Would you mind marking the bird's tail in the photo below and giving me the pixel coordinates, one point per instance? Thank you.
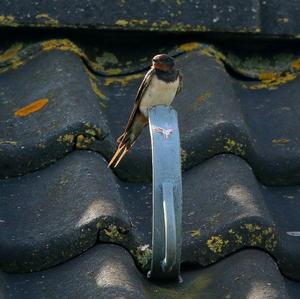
(128, 138)
(125, 141)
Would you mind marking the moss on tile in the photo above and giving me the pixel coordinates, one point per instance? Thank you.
(143, 256)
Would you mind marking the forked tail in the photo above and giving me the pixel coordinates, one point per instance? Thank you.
(125, 143)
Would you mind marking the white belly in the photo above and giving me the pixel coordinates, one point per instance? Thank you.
(158, 93)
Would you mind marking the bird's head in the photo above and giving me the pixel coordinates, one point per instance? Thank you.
(163, 62)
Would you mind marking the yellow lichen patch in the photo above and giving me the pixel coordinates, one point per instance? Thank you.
(93, 81)
(232, 146)
(32, 107)
(67, 138)
(196, 233)
(97, 91)
(216, 244)
(200, 99)
(296, 65)
(83, 142)
(47, 20)
(11, 52)
(131, 23)
(252, 227)
(10, 142)
(62, 45)
(188, 47)
(267, 76)
(16, 63)
(122, 22)
(123, 80)
(280, 140)
(92, 130)
(238, 239)
(262, 237)
(273, 82)
(212, 52)
(178, 27)
(67, 45)
(8, 21)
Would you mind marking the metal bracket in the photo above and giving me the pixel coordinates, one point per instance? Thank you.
(167, 193)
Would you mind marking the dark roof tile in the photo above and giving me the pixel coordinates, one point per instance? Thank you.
(56, 213)
(53, 214)
(107, 271)
(272, 17)
(71, 109)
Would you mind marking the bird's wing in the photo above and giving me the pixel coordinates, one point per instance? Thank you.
(180, 85)
(141, 91)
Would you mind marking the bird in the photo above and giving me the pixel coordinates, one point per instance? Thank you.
(159, 87)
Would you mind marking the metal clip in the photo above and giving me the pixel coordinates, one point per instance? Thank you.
(167, 193)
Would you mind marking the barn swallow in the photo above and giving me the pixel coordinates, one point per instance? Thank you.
(159, 87)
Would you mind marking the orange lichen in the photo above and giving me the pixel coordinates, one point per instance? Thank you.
(11, 52)
(32, 107)
(296, 65)
(267, 76)
(273, 80)
(188, 47)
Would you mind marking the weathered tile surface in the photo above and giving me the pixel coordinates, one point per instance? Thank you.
(272, 17)
(240, 154)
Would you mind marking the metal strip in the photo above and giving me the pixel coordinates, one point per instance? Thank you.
(167, 193)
